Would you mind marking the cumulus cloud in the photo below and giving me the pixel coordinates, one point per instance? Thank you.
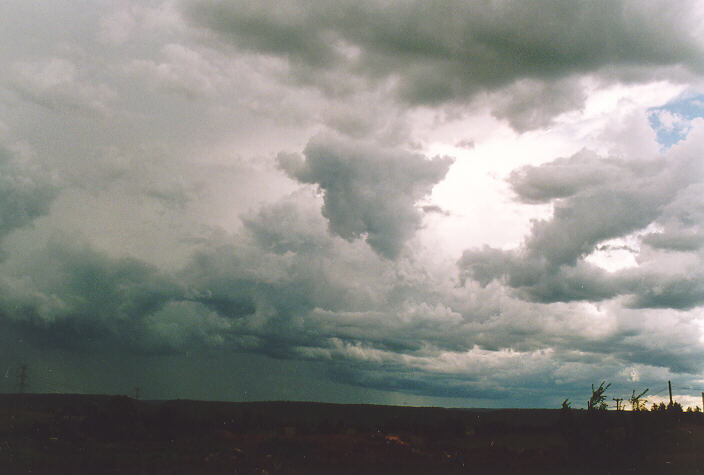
(561, 178)
(529, 104)
(595, 200)
(365, 317)
(285, 287)
(175, 239)
(449, 51)
(368, 191)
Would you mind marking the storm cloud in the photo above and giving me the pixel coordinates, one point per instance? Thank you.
(368, 191)
(282, 289)
(452, 51)
(489, 204)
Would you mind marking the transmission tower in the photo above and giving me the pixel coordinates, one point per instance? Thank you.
(618, 402)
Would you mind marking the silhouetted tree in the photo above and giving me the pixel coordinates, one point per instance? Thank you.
(598, 400)
(637, 401)
(566, 405)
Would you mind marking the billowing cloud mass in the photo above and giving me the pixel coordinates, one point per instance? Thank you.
(485, 203)
(453, 51)
(368, 191)
(596, 200)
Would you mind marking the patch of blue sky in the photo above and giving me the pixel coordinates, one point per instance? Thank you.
(672, 121)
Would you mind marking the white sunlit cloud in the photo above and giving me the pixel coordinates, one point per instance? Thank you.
(672, 121)
(620, 253)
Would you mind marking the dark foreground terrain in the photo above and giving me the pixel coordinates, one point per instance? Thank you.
(49, 434)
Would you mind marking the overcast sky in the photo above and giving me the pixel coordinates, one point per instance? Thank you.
(492, 203)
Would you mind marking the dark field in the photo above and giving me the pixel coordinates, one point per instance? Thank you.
(48, 434)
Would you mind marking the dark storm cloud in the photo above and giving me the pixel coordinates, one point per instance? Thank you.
(251, 293)
(449, 51)
(269, 291)
(596, 200)
(350, 309)
(24, 193)
(374, 322)
(189, 111)
(368, 191)
(69, 295)
(77, 294)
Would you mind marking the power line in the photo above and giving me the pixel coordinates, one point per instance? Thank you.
(659, 392)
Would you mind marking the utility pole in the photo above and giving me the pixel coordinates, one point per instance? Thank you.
(136, 392)
(669, 387)
(702, 401)
(22, 379)
(618, 402)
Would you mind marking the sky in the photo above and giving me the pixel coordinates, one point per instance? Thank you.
(477, 204)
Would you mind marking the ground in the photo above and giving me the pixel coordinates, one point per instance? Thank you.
(50, 434)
